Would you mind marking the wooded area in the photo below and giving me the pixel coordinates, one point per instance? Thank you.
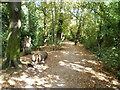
(30, 26)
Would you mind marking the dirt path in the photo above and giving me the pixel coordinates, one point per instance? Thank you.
(70, 67)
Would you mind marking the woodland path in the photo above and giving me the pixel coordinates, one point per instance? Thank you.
(70, 67)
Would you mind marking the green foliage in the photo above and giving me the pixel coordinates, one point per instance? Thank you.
(32, 25)
(69, 36)
(96, 24)
(39, 38)
(5, 25)
(90, 42)
(110, 56)
(100, 33)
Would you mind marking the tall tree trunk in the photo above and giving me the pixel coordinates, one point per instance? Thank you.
(78, 33)
(55, 23)
(119, 25)
(45, 16)
(45, 22)
(13, 44)
(60, 22)
(31, 24)
(99, 32)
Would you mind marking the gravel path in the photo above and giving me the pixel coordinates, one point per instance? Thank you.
(70, 67)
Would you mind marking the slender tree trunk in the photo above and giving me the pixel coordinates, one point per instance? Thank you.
(73, 36)
(13, 44)
(45, 23)
(53, 23)
(45, 16)
(99, 34)
(119, 25)
(44, 10)
(29, 20)
(60, 22)
(78, 33)
(53, 10)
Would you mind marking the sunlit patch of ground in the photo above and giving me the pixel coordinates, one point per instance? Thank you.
(69, 67)
(95, 74)
(33, 78)
(68, 43)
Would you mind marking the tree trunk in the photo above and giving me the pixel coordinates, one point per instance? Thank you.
(59, 32)
(53, 24)
(60, 22)
(99, 37)
(54, 20)
(13, 44)
(45, 17)
(45, 22)
(78, 33)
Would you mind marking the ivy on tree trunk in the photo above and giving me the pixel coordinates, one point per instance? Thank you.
(13, 39)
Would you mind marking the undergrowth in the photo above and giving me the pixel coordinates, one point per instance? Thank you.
(110, 56)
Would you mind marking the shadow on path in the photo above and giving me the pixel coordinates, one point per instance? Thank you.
(70, 67)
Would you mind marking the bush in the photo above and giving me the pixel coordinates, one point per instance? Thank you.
(110, 56)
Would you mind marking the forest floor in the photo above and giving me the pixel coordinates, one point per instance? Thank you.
(70, 67)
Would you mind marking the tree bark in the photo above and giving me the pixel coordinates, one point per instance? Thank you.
(78, 33)
(60, 22)
(53, 24)
(13, 39)
(45, 17)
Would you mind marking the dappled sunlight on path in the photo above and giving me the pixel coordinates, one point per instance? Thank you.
(33, 78)
(71, 67)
